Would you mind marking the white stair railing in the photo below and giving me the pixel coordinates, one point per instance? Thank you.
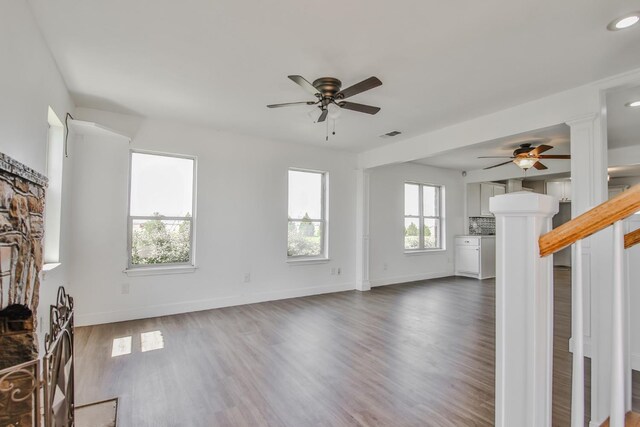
(618, 377)
(577, 332)
(524, 307)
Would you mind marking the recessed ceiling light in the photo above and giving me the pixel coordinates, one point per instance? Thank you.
(632, 104)
(625, 21)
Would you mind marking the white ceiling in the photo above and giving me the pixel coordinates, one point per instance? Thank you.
(220, 62)
(623, 123)
(466, 159)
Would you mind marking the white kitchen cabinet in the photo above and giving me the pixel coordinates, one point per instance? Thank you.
(476, 256)
(478, 195)
(560, 189)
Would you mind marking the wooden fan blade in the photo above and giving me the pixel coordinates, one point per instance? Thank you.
(361, 108)
(357, 88)
(500, 164)
(304, 84)
(539, 166)
(496, 157)
(539, 149)
(288, 104)
(323, 116)
(554, 156)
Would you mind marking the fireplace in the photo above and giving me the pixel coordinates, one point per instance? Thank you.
(21, 232)
(17, 336)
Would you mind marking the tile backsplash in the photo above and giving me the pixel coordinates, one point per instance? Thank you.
(482, 225)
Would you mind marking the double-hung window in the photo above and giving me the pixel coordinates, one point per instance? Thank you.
(161, 210)
(423, 216)
(307, 224)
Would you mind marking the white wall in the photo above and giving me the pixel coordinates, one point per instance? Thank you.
(241, 222)
(29, 84)
(386, 224)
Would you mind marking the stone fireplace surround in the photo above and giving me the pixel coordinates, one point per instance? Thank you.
(22, 192)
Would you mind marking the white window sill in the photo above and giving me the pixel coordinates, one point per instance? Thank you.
(154, 271)
(424, 251)
(48, 267)
(305, 261)
(51, 266)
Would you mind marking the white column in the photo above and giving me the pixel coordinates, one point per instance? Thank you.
(362, 230)
(524, 310)
(589, 189)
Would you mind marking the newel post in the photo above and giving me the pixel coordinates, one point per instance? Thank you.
(524, 310)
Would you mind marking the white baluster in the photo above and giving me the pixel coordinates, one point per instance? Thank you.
(617, 342)
(577, 392)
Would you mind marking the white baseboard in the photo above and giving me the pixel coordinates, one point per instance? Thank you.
(88, 319)
(405, 279)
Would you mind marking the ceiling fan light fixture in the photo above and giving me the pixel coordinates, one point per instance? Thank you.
(633, 104)
(525, 162)
(334, 111)
(624, 22)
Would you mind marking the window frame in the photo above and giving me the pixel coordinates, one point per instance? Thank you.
(51, 248)
(324, 254)
(421, 217)
(192, 219)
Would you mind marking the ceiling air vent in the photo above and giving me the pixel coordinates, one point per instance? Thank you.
(391, 134)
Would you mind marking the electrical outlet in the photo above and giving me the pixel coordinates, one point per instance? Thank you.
(247, 277)
(333, 271)
(385, 266)
(339, 271)
(124, 289)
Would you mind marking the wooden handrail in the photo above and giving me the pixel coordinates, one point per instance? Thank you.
(632, 238)
(620, 207)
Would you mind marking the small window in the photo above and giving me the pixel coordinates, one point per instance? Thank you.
(53, 194)
(307, 214)
(423, 217)
(161, 210)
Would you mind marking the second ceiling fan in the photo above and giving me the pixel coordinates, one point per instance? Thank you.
(327, 90)
(527, 157)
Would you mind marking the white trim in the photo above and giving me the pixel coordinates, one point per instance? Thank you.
(421, 216)
(49, 266)
(324, 210)
(88, 319)
(587, 346)
(411, 278)
(192, 226)
(423, 251)
(635, 357)
(304, 261)
(159, 270)
(82, 127)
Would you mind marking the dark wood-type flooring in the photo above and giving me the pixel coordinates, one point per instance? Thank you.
(418, 354)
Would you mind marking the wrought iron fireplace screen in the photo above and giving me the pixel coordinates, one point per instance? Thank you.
(20, 385)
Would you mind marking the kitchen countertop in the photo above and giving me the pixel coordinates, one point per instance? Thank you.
(476, 235)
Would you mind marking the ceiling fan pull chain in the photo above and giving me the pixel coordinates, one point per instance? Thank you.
(327, 138)
(334, 127)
